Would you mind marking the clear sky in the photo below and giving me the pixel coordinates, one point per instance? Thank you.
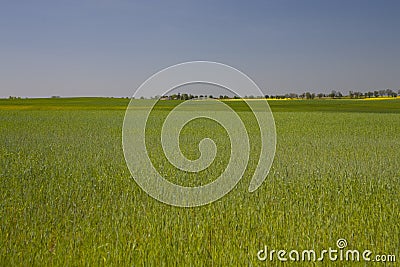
(108, 48)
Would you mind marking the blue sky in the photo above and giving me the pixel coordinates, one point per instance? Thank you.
(108, 48)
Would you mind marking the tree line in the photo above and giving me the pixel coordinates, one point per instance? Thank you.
(307, 95)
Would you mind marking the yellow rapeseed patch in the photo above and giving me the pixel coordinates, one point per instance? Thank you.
(382, 98)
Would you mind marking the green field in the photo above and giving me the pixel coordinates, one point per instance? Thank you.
(67, 198)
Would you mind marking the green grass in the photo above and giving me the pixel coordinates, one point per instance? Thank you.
(67, 198)
(75, 103)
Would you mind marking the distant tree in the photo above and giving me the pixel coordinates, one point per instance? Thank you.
(333, 94)
(369, 94)
(389, 92)
(266, 96)
(357, 94)
(320, 95)
(210, 96)
(351, 94)
(376, 93)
